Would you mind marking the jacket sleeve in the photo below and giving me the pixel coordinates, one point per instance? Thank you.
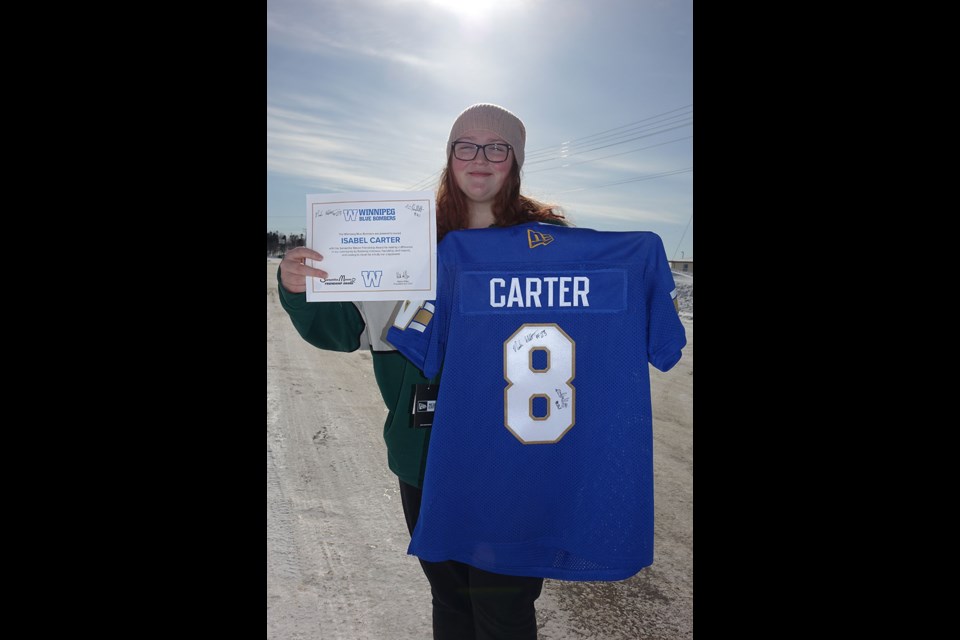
(334, 326)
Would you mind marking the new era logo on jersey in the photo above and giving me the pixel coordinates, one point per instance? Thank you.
(537, 239)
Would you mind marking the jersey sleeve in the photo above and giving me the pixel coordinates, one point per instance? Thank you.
(413, 335)
(666, 335)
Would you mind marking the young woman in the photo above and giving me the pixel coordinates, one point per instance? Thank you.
(480, 187)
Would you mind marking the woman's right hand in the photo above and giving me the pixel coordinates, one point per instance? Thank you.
(294, 271)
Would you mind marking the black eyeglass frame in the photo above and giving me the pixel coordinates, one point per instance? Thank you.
(477, 148)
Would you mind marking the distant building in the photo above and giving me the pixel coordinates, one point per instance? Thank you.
(682, 266)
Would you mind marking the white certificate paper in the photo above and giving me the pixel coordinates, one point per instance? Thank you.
(375, 246)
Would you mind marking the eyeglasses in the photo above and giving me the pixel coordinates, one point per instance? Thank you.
(493, 152)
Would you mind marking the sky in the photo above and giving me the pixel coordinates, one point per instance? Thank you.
(361, 95)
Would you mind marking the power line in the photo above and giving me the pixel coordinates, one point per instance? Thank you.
(682, 236)
(566, 153)
(429, 180)
(630, 132)
(598, 141)
(613, 155)
(604, 133)
(637, 179)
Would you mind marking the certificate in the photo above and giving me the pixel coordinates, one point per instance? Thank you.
(375, 246)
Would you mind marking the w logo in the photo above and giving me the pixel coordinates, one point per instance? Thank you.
(537, 239)
(371, 278)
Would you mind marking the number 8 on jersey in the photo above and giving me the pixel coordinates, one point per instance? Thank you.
(539, 366)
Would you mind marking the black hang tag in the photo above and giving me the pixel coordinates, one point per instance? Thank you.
(424, 404)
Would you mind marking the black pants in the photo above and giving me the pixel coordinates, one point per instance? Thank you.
(472, 604)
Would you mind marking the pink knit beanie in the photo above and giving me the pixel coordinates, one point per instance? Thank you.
(491, 117)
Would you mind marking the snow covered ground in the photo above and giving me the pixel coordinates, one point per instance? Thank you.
(684, 284)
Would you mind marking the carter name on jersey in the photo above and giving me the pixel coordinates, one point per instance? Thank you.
(546, 291)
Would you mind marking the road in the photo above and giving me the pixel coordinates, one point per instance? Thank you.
(337, 567)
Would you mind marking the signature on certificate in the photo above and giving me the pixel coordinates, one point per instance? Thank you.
(416, 208)
(328, 212)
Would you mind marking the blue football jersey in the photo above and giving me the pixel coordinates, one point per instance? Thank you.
(541, 456)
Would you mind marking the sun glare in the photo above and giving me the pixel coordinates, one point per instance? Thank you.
(477, 11)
